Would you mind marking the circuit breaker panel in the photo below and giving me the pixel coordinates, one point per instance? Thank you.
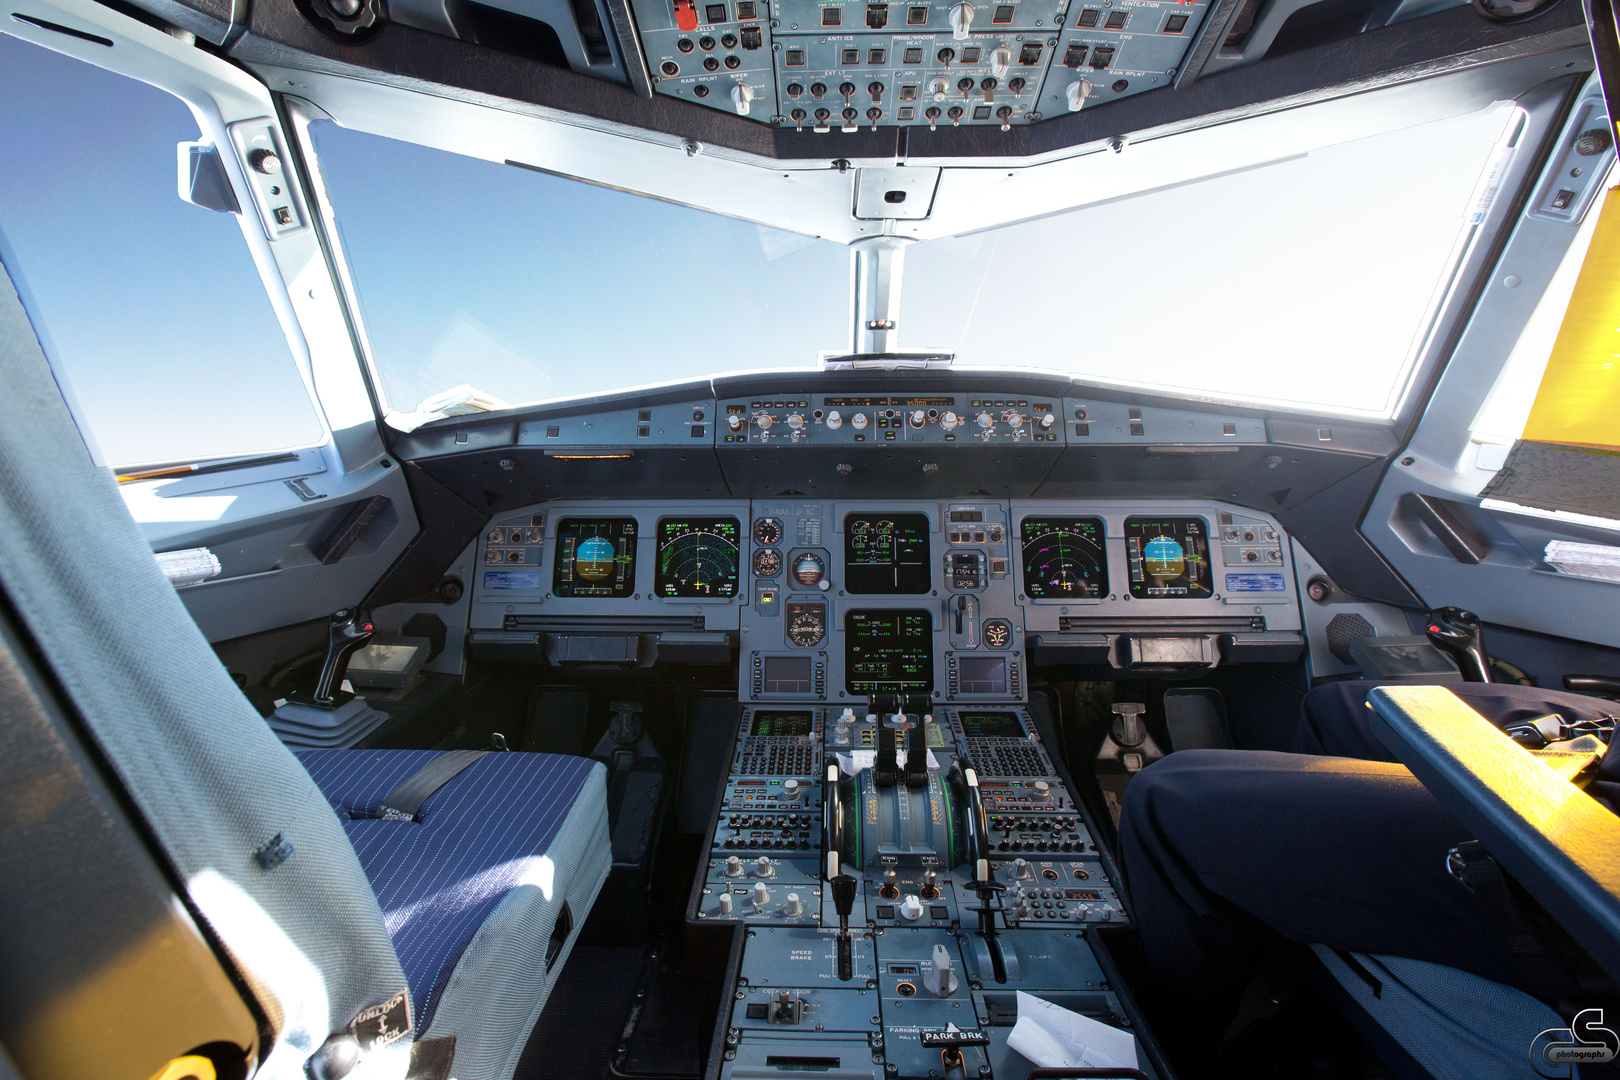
(821, 65)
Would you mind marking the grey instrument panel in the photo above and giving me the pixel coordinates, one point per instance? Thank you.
(828, 600)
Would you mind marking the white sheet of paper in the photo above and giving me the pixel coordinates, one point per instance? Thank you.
(1055, 1038)
(853, 761)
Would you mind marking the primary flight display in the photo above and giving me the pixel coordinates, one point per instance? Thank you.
(595, 557)
(1168, 557)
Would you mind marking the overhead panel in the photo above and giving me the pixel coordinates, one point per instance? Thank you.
(825, 66)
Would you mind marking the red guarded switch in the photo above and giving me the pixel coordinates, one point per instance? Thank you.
(686, 14)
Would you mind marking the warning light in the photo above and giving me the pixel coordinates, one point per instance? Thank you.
(1434, 629)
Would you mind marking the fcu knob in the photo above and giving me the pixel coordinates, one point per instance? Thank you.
(949, 421)
(835, 420)
(734, 422)
(858, 421)
(1048, 420)
(986, 420)
(918, 418)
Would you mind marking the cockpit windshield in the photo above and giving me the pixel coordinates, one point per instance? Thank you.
(532, 287)
(1271, 284)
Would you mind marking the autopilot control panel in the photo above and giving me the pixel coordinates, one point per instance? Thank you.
(903, 869)
(818, 65)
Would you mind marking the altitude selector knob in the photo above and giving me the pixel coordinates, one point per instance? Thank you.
(835, 420)
(986, 420)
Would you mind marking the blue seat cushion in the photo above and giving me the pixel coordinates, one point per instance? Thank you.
(477, 838)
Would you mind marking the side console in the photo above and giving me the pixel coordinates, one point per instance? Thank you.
(903, 869)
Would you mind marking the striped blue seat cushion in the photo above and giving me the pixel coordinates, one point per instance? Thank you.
(477, 838)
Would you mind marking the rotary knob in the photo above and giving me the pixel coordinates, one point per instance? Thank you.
(986, 420)
(1000, 61)
(734, 422)
(790, 790)
(795, 421)
(1015, 421)
(834, 420)
(742, 96)
(762, 896)
(795, 907)
(1076, 94)
(918, 418)
(949, 421)
(764, 422)
(911, 908)
(1048, 420)
(961, 20)
(858, 421)
(938, 88)
(265, 161)
(762, 866)
(733, 867)
(1020, 869)
(1042, 789)
(725, 903)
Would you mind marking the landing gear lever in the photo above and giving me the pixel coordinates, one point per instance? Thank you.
(346, 631)
(1458, 633)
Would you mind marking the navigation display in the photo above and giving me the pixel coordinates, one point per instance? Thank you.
(990, 725)
(1064, 558)
(885, 554)
(1168, 557)
(888, 651)
(697, 556)
(595, 557)
(781, 724)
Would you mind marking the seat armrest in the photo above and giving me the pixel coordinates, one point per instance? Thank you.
(1554, 839)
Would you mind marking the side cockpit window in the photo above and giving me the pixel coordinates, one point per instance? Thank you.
(151, 309)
